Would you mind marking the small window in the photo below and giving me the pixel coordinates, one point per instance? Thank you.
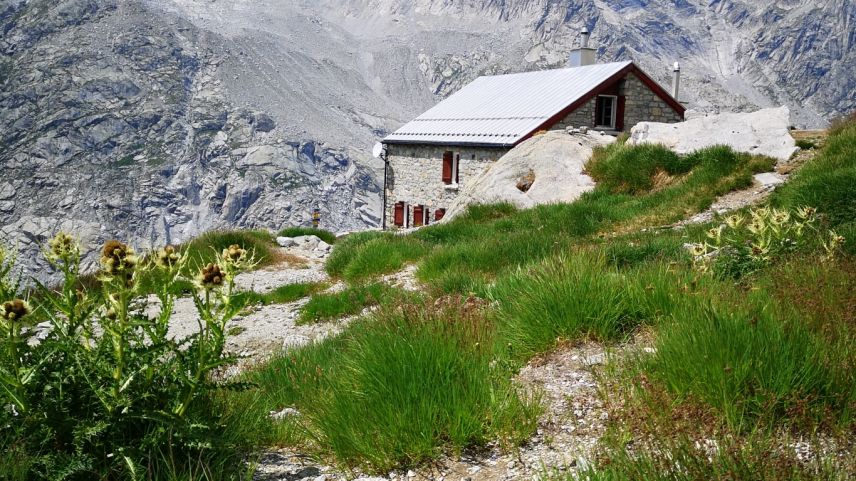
(450, 167)
(398, 214)
(438, 214)
(418, 215)
(474, 157)
(605, 111)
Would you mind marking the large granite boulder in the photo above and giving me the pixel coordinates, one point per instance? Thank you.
(765, 132)
(545, 169)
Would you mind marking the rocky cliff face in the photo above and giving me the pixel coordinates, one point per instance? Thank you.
(114, 123)
(157, 119)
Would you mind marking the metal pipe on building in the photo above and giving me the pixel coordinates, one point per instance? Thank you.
(676, 80)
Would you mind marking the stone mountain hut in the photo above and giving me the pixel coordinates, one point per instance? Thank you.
(433, 156)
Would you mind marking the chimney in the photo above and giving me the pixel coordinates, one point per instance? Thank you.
(584, 55)
(676, 80)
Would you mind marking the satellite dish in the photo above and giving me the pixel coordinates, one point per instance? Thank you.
(377, 150)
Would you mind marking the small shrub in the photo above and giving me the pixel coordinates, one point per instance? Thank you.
(322, 234)
(106, 393)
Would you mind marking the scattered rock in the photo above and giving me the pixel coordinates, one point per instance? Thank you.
(285, 241)
(323, 246)
(287, 412)
(7, 191)
(770, 179)
(307, 242)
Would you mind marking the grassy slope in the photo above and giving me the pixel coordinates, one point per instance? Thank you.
(753, 357)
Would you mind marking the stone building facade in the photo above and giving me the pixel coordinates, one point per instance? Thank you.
(415, 176)
(418, 185)
(641, 104)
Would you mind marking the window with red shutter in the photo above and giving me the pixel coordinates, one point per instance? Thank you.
(438, 214)
(398, 216)
(447, 167)
(418, 215)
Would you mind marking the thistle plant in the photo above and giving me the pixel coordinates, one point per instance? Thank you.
(744, 244)
(107, 387)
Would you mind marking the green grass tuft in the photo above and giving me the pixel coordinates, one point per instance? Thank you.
(826, 182)
(350, 301)
(205, 248)
(749, 364)
(398, 389)
(281, 295)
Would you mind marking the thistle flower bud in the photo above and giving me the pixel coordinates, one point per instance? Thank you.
(234, 254)
(117, 258)
(62, 247)
(781, 216)
(210, 277)
(806, 213)
(167, 257)
(14, 310)
(734, 221)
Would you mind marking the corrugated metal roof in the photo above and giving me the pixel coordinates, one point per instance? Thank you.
(502, 109)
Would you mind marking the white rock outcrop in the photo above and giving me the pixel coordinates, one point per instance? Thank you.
(765, 132)
(552, 164)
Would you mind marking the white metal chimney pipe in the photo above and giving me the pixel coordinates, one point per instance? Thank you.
(676, 80)
(584, 38)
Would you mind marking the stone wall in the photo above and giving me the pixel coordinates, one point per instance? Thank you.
(416, 175)
(643, 105)
(582, 116)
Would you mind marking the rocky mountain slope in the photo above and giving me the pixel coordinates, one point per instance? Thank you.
(157, 119)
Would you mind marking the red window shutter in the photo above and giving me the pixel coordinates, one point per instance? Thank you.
(598, 106)
(398, 217)
(418, 215)
(438, 214)
(619, 114)
(447, 167)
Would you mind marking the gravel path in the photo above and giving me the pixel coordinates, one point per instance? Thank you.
(263, 330)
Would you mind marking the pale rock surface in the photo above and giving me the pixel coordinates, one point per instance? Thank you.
(556, 159)
(285, 241)
(764, 132)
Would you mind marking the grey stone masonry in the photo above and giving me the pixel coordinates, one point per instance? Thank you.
(582, 116)
(416, 175)
(643, 105)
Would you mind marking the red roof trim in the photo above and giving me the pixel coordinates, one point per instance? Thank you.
(606, 85)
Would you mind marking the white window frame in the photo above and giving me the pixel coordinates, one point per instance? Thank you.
(613, 113)
(406, 215)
